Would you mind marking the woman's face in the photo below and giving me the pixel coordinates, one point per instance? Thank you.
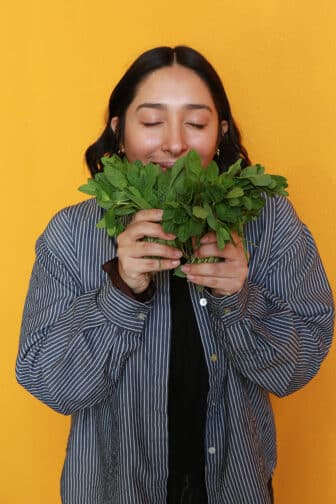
(172, 113)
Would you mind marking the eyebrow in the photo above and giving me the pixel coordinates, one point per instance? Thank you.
(162, 106)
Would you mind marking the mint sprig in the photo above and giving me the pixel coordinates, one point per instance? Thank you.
(194, 199)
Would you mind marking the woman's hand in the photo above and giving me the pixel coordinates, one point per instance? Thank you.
(225, 277)
(134, 256)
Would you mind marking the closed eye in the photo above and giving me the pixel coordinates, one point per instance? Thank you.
(149, 124)
(197, 125)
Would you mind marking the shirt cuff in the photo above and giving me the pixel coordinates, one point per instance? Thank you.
(230, 308)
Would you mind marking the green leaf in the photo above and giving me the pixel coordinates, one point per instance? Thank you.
(259, 180)
(234, 202)
(113, 161)
(223, 237)
(211, 219)
(226, 213)
(180, 216)
(175, 172)
(115, 177)
(200, 212)
(183, 232)
(179, 273)
(133, 175)
(151, 173)
(134, 191)
(225, 180)
(193, 165)
(212, 172)
(119, 197)
(90, 188)
(235, 192)
(169, 226)
(168, 214)
(108, 220)
(249, 171)
(124, 210)
(196, 228)
(247, 203)
(151, 197)
(235, 168)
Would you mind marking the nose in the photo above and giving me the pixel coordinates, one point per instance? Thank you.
(174, 141)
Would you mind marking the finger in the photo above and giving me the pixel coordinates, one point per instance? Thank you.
(152, 214)
(220, 270)
(229, 252)
(144, 248)
(209, 237)
(138, 230)
(217, 284)
(212, 238)
(149, 265)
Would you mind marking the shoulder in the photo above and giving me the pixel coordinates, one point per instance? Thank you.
(277, 230)
(286, 227)
(85, 211)
(72, 220)
(278, 219)
(70, 227)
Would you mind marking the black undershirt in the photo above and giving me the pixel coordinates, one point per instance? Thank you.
(187, 400)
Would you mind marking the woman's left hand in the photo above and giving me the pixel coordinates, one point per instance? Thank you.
(224, 278)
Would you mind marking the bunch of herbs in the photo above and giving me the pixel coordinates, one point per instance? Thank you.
(194, 199)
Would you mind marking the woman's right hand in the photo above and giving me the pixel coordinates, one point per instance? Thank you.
(135, 264)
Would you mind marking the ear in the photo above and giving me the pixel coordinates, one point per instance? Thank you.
(114, 123)
(114, 126)
(224, 127)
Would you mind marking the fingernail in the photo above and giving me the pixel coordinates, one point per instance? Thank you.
(204, 239)
(175, 263)
(185, 268)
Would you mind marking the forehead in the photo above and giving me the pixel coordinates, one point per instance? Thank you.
(173, 85)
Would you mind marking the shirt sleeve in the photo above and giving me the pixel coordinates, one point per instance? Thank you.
(74, 344)
(277, 331)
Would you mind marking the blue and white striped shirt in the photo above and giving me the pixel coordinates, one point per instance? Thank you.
(88, 350)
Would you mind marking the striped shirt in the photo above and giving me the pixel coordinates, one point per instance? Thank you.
(88, 350)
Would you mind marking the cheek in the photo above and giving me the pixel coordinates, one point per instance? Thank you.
(139, 144)
(206, 147)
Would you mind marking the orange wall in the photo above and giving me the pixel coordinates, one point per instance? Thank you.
(61, 59)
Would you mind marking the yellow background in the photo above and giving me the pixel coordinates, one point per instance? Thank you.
(60, 61)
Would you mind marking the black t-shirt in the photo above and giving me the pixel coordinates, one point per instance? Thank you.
(187, 400)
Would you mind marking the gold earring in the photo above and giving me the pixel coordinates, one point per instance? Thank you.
(218, 152)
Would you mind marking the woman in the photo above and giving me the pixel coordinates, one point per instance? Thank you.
(169, 390)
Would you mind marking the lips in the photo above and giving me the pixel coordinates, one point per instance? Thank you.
(165, 164)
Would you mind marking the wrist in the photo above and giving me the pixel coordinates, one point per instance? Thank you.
(142, 294)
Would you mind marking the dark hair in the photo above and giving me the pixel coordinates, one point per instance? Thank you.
(230, 146)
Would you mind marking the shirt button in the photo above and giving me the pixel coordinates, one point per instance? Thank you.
(213, 357)
(141, 316)
(203, 301)
(226, 311)
(212, 450)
